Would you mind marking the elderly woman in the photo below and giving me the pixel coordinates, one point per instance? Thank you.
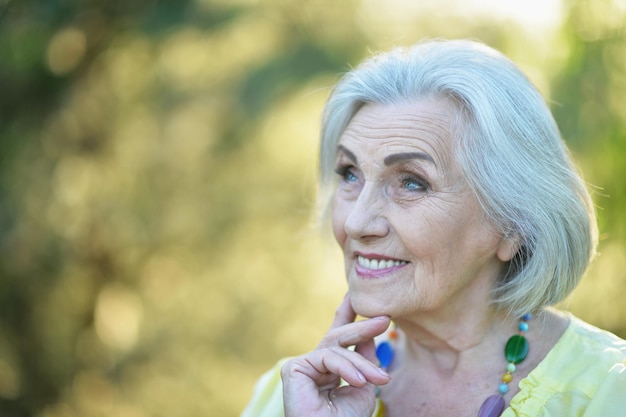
(461, 219)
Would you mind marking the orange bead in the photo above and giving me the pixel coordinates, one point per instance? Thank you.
(507, 377)
(393, 334)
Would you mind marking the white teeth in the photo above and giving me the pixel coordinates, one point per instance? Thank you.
(378, 264)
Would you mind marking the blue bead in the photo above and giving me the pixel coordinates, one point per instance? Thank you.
(527, 316)
(523, 326)
(503, 388)
(384, 352)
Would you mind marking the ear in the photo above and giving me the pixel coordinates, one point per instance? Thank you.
(508, 248)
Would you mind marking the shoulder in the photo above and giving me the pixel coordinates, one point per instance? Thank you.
(592, 350)
(267, 397)
(585, 371)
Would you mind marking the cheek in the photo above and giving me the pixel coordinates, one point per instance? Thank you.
(338, 221)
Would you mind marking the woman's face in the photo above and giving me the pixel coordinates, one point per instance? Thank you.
(414, 237)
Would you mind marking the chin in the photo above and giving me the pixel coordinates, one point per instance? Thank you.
(366, 308)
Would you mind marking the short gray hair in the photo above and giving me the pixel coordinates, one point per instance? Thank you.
(510, 151)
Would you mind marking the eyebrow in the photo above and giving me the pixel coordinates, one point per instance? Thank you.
(348, 153)
(399, 157)
(390, 159)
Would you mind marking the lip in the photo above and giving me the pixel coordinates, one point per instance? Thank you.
(365, 272)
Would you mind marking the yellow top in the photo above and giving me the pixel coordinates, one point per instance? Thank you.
(584, 375)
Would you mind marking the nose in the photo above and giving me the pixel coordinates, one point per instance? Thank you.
(366, 218)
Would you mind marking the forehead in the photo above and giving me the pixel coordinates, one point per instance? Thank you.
(425, 126)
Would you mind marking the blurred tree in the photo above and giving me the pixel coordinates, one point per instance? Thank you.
(589, 94)
(104, 185)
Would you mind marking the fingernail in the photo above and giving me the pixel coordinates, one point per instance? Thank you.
(383, 373)
(361, 377)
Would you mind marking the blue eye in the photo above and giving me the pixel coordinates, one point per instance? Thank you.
(412, 184)
(346, 174)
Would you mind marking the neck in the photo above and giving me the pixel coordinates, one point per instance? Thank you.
(461, 365)
(448, 343)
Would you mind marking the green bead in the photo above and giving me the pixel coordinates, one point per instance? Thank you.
(516, 349)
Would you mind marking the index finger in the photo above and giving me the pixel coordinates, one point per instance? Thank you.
(344, 313)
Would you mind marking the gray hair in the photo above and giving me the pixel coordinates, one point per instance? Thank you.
(510, 151)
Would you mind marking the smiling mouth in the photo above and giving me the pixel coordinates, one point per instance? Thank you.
(378, 264)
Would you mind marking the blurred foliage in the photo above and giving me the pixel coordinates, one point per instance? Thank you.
(157, 172)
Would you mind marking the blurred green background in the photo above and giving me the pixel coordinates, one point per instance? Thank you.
(157, 173)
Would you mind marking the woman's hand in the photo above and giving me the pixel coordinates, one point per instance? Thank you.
(311, 383)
